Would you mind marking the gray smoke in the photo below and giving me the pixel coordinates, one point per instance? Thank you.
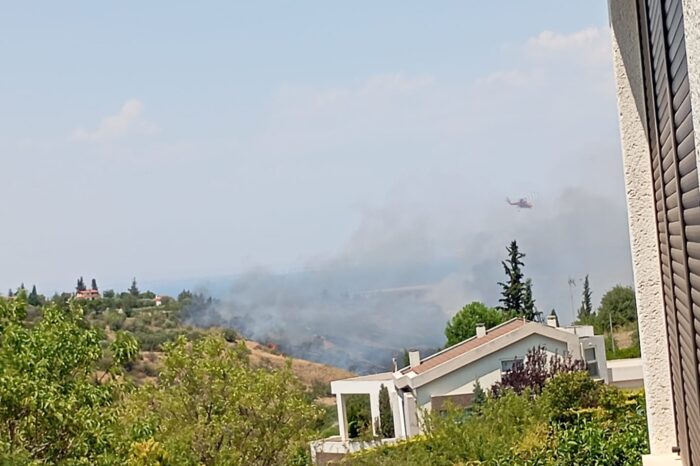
(401, 277)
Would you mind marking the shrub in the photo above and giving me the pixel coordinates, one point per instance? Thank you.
(115, 320)
(230, 335)
(538, 367)
(574, 421)
(569, 391)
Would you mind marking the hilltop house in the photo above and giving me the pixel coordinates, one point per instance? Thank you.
(88, 295)
(450, 375)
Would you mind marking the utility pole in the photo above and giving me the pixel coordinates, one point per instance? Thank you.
(612, 335)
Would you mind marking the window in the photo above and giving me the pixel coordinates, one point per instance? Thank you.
(590, 354)
(591, 362)
(510, 364)
(592, 369)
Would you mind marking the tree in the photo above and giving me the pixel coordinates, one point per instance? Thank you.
(33, 297)
(94, 285)
(80, 285)
(479, 396)
(134, 290)
(385, 429)
(530, 312)
(54, 408)
(532, 373)
(463, 324)
(554, 314)
(211, 407)
(10, 293)
(617, 305)
(585, 312)
(514, 289)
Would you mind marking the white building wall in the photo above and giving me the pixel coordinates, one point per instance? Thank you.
(642, 224)
(486, 369)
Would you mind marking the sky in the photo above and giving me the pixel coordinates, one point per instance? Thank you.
(193, 144)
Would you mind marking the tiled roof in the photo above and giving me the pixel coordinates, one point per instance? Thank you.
(465, 346)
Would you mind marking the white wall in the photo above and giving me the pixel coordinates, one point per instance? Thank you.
(642, 224)
(486, 369)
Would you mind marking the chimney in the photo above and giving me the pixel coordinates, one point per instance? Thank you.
(552, 321)
(480, 330)
(414, 358)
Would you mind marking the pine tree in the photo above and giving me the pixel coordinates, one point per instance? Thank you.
(94, 285)
(10, 293)
(33, 297)
(585, 312)
(80, 285)
(514, 289)
(134, 290)
(386, 416)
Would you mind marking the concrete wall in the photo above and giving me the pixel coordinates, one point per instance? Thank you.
(486, 369)
(642, 224)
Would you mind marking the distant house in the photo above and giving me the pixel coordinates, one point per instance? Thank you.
(88, 295)
(158, 300)
(450, 375)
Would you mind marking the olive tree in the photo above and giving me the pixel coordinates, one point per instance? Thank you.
(55, 407)
(211, 407)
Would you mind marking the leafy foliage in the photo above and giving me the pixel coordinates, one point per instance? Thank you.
(463, 324)
(53, 408)
(532, 374)
(575, 421)
(211, 407)
(619, 306)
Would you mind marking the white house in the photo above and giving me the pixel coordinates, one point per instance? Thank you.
(450, 375)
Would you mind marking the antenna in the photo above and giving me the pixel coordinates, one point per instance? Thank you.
(572, 284)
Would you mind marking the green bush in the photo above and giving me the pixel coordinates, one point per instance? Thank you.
(230, 335)
(569, 391)
(575, 421)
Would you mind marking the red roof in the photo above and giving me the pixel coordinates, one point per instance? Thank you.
(465, 346)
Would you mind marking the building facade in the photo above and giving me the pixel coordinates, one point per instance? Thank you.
(656, 50)
(450, 375)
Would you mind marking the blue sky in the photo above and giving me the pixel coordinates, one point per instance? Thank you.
(180, 141)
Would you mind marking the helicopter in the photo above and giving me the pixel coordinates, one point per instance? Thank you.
(522, 203)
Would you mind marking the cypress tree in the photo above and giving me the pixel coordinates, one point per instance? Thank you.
(94, 285)
(80, 286)
(585, 312)
(530, 312)
(33, 297)
(386, 417)
(134, 290)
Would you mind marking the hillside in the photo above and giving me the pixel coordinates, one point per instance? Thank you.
(316, 377)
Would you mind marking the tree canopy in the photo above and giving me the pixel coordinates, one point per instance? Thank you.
(617, 305)
(463, 323)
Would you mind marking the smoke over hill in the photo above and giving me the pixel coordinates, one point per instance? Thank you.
(401, 277)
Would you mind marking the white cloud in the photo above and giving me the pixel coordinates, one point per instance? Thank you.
(514, 77)
(550, 53)
(379, 86)
(114, 126)
(592, 45)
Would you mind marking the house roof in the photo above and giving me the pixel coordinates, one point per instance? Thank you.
(465, 346)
